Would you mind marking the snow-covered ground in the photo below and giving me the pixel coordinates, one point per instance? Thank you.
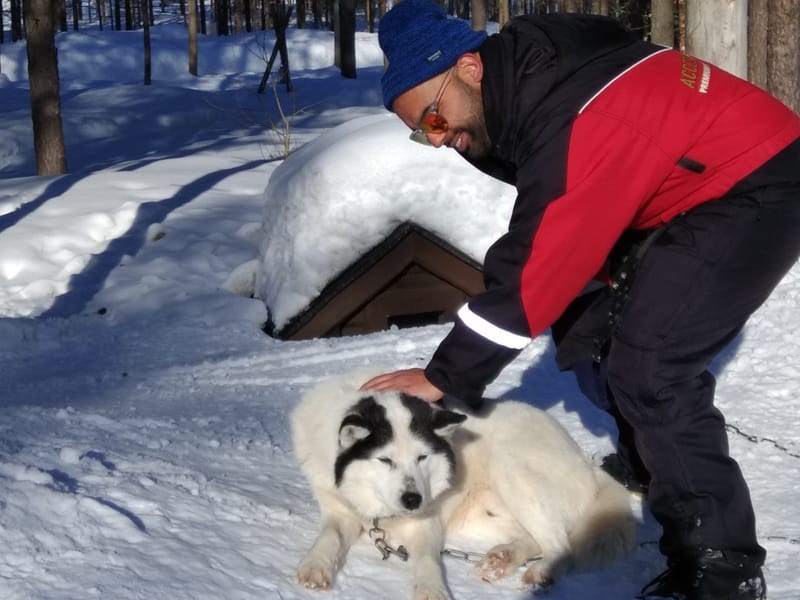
(144, 448)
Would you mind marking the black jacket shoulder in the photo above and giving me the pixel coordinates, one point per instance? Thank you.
(540, 70)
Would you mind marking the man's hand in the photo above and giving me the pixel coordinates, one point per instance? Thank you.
(410, 381)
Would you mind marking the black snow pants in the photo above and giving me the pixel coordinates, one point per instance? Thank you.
(694, 288)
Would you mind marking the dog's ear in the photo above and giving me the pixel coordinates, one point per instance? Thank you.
(445, 422)
(352, 430)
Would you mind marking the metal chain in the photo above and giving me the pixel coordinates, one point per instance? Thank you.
(378, 536)
(757, 440)
(473, 557)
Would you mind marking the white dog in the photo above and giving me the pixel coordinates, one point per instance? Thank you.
(416, 477)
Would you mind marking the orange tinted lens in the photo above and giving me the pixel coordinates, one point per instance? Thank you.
(434, 123)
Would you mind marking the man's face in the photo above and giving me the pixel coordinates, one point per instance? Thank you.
(449, 98)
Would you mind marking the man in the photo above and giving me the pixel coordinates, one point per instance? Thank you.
(678, 180)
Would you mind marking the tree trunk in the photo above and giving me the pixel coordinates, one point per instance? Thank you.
(757, 39)
(223, 15)
(145, 9)
(61, 8)
(716, 31)
(129, 17)
(503, 12)
(662, 22)
(192, 26)
(101, 13)
(783, 52)
(347, 37)
(117, 15)
(479, 15)
(238, 16)
(16, 20)
(76, 15)
(48, 135)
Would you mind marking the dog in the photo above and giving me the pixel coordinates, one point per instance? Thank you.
(416, 476)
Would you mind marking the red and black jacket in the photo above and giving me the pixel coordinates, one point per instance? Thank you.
(600, 133)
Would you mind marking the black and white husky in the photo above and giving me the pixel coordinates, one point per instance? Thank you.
(416, 477)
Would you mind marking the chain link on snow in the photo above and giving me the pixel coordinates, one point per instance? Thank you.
(757, 440)
(473, 557)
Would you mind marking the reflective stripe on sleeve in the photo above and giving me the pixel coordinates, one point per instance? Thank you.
(491, 331)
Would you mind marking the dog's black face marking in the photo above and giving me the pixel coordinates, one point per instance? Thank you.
(369, 415)
(426, 420)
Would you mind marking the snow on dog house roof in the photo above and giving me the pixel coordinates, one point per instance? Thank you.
(360, 210)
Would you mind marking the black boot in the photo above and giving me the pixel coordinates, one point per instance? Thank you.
(709, 575)
(619, 469)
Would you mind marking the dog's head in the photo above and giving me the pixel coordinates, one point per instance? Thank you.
(394, 454)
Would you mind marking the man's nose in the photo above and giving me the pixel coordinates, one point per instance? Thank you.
(436, 139)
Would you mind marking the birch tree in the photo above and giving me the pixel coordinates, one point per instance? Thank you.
(716, 31)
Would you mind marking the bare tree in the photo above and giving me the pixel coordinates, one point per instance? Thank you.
(101, 13)
(346, 34)
(76, 14)
(662, 22)
(479, 15)
(16, 20)
(238, 16)
(130, 17)
(757, 39)
(223, 16)
(783, 52)
(48, 135)
(192, 26)
(145, 10)
(503, 12)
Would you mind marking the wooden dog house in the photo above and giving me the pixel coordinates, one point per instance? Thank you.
(411, 278)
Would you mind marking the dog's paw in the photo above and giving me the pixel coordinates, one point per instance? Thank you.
(430, 592)
(314, 575)
(498, 563)
(538, 578)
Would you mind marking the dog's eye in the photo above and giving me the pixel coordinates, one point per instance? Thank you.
(386, 461)
(422, 457)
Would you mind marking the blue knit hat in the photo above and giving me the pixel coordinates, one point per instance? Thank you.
(420, 41)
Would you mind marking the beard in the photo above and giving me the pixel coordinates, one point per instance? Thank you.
(480, 144)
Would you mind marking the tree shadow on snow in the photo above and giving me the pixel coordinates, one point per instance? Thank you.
(83, 286)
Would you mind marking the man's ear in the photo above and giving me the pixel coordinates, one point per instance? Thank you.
(470, 68)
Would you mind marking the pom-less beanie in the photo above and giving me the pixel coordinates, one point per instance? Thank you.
(420, 41)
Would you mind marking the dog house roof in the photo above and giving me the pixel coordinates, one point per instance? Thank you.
(354, 194)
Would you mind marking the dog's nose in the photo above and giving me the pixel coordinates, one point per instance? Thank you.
(411, 500)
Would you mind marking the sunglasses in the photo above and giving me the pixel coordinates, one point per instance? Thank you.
(432, 121)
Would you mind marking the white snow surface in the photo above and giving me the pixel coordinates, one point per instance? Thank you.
(144, 443)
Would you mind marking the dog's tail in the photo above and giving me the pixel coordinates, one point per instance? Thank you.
(608, 530)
